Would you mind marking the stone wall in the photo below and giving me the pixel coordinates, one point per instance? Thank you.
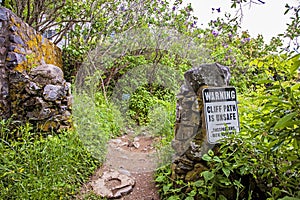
(190, 142)
(32, 87)
(26, 48)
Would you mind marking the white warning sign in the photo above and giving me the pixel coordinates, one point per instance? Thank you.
(221, 112)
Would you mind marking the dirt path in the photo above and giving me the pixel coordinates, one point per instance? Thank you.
(134, 156)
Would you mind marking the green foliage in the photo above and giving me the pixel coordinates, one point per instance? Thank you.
(262, 161)
(146, 98)
(234, 48)
(107, 18)
(166, 184)
(292, 32)
(96, 121)
(108, 116)
(92, 196)
(162, 119)
(35, 167)
(271, 115)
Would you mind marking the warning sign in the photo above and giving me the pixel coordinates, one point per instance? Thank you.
(221, 113)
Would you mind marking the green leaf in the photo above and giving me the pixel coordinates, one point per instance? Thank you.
(264, 81)
(273, 99)
(210, 152)
(221, 197)
(166, 188)
(282, 122)
(207, 175)
(296, 86)
(277, 145)
(189, 198)
(193, 193)
(160, 179)
(175, 197)
(198, 183)
(206, 157)
(238, 184)
(289, 198)
(295, 66)
(217, 159)
(226, 171)
(224, 180)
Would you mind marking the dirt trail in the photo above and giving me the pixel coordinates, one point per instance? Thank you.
(134, 156)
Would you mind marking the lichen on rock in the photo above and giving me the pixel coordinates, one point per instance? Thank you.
(32, 85)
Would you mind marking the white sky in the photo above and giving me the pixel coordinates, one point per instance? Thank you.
(267, 19)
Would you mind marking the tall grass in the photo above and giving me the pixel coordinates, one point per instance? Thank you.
(37, 167)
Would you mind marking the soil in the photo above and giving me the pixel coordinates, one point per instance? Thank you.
(134, 156)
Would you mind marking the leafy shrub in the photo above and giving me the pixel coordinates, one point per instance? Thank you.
(263, 160)
(145, 98)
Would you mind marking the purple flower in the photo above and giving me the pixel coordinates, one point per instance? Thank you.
(247, 39)
(122, 8)
(225, 45)
(230, 35)
(174, 8)
(215, 33)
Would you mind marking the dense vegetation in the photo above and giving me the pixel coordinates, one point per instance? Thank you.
(266, 152)
(262, 161)
(37, 167)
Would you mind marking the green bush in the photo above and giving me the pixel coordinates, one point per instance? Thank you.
(145, 99)
(263, 160)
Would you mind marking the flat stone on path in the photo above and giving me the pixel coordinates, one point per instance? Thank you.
(113, 184)
(128, 172)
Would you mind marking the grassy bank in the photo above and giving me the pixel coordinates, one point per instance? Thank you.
(36, 167)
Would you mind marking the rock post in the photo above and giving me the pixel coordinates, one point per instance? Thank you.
(190, 142)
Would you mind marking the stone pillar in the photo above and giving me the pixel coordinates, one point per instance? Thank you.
(4, 86)
(190, 142)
